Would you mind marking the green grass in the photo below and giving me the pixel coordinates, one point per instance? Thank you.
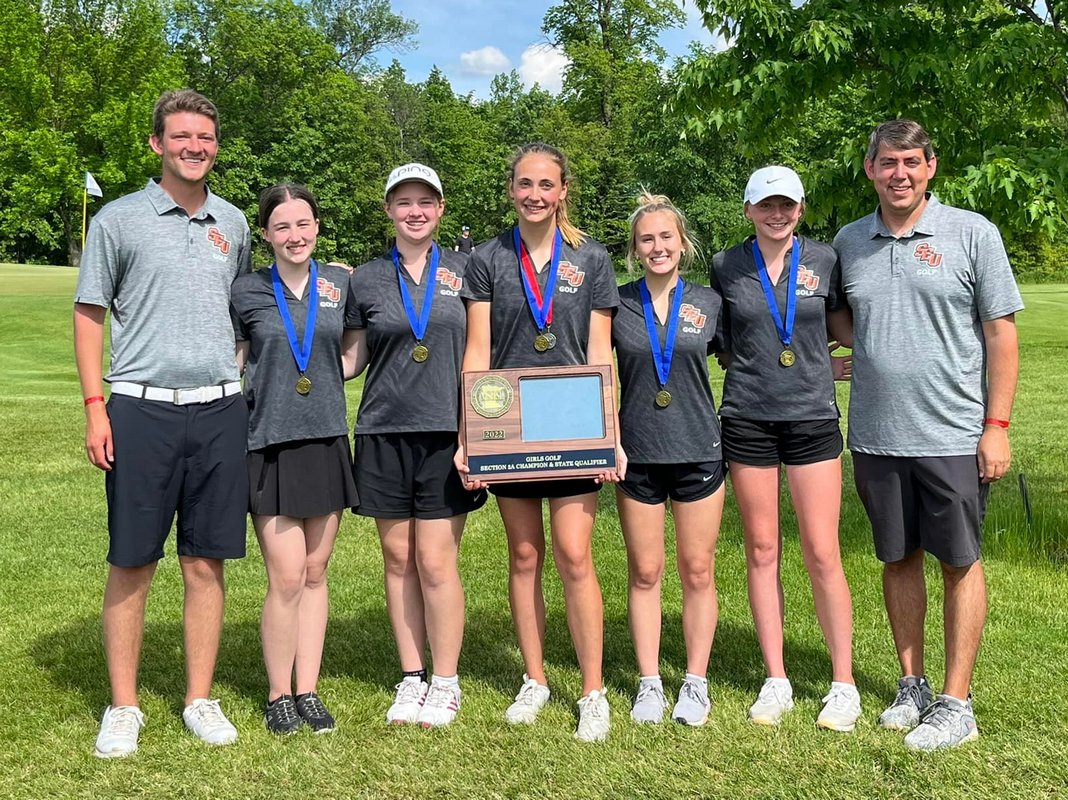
(53, 683)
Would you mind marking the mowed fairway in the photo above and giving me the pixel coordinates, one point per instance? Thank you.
(53, 683)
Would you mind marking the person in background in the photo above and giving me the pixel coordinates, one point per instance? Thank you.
(464, 243)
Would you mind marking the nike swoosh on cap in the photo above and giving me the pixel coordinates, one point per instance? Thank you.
(773, 180)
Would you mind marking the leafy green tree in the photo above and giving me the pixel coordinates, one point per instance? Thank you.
(359, 28)
(988, 79)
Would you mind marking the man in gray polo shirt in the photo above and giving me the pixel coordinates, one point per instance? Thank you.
(934, 375)
(172, 436)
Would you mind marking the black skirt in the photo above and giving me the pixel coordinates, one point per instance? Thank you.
(305, 478)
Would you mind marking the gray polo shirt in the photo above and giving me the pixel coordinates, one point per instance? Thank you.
(277, 412)
(585, 281)
(919, 354)
(165, 276)
(687, 430)
(399, 394)
(756, 385)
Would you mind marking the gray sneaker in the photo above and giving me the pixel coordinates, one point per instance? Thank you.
(693, 705)
(914, 695)
(649, 704)
(947, 722)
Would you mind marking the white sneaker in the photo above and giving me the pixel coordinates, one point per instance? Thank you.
(593, 717)
(440, 705)
(208, 723)
(532, 696)
(841, 708)
(775, 699)
(407, 701)
(650, 704)
(119, 728)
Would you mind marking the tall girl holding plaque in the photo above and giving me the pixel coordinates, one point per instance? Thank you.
(664, 332)
(542, 294)
(293, 326)
(412, 318)
(783, 297)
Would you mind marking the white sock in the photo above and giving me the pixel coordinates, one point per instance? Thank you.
(700, 680)
(453, 680)
(653, 679)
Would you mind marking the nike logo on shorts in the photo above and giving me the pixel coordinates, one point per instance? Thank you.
(707, 478)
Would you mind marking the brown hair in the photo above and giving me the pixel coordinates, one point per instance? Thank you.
(274, 196)
(179, 100)
(649, 203)
(571, 233)
(900, 134)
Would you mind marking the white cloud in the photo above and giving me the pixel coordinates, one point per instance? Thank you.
(544, 65)
(486, 60)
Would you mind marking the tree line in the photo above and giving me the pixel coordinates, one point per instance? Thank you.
(302, 97)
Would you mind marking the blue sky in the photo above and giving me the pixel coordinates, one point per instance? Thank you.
(473, 40)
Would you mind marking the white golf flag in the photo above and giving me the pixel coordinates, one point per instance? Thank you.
(91, 186)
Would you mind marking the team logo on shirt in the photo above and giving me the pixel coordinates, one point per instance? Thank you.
(451, 283)
(927, 256)
(807, 282)
(329, 295)
(218, 240)
(693, 318)
(570, 277)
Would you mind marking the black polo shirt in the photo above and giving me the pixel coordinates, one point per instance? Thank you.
(756, 385)
(277, 412)
(687, 430)
(401, 395)
(585, 281)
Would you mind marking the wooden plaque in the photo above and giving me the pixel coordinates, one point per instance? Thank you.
(539, 423)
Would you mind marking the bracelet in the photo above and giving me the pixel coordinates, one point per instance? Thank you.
(95, 399)
(1001, 423)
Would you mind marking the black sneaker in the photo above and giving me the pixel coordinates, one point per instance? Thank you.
(313, 712)
(281, 716)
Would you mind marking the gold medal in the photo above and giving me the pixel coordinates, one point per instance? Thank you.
(541, 343)
(787, 357)
(303, 385)
(420, 353)
(663, 398)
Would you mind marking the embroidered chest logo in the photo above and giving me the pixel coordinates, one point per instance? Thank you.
(693, 318)
(451, 283)
(570, 277)
(329, 294)
(218, 240)
(927, 255)
(807, 281)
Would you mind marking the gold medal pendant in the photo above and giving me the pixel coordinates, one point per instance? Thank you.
(303, 385)
(420, 353)
(663, 398)
(541, 343)
(787, 357)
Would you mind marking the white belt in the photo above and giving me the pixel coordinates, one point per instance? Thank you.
(180, 397)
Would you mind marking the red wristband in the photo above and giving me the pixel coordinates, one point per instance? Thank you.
(1001, 423)
(100, 399)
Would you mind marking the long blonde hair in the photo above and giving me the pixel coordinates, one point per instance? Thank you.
(649, 203)
(571, 233)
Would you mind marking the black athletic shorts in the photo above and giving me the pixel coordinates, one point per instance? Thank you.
(936, 503)
(406, 475)
(533, 490)
(762, 444)
(655, 483)
(184, 459)
(301, 479)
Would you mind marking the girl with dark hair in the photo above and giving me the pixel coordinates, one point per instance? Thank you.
(543, 294)
(293, 327)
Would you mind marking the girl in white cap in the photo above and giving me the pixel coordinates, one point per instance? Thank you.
(410, 312)
(783, 300)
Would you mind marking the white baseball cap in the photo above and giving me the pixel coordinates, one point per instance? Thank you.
(414, 172)
(774, 181)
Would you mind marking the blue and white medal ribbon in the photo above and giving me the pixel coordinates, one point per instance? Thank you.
(662, 357)
(301, 352)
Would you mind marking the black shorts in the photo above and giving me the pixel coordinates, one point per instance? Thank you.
(184, 459)
(305, 478)
(684, 483)
(762, 444)
(537, 490)
(936, 503)
(405, 475)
